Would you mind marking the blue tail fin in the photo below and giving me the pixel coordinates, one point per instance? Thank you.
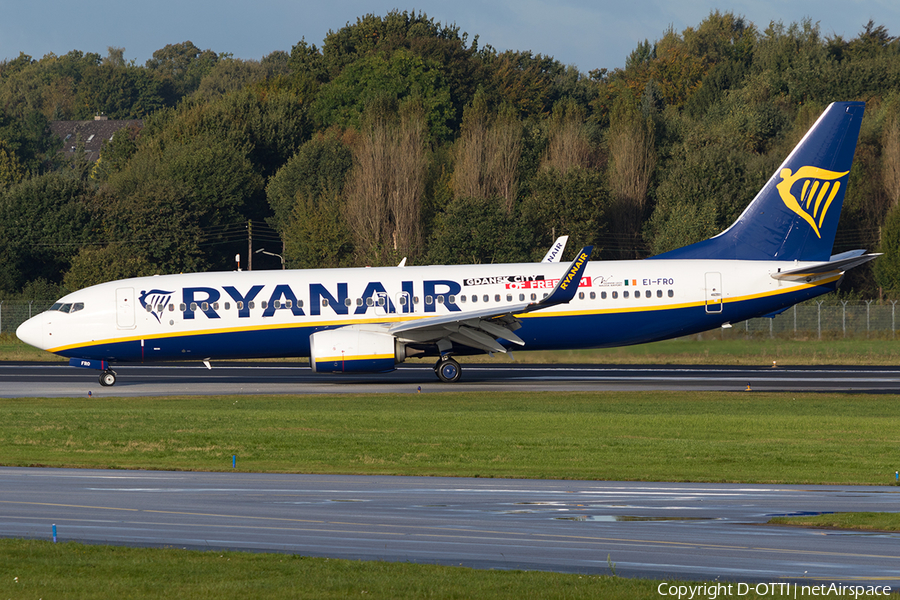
(795, 215)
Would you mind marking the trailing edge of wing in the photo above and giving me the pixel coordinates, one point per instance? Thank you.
(825, 269)
(473, 327)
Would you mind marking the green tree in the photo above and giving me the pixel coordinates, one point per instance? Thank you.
(99, 264)
(477, 231)
(318, 170)
(183, 203)
(887, 268)
(10, 169)
(316, 235)
(571, 203)
(30, 139)
(396, 77)
(43, 221)
(184, 65)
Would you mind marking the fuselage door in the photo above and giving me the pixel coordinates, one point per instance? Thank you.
(383, 305)
(125, 308)
(714, 292)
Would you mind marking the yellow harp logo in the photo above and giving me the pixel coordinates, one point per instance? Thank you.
(819, 188)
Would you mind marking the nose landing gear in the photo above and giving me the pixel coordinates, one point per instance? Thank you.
(108, 378)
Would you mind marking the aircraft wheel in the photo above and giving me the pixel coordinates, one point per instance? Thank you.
(107, 378)
(448, 370)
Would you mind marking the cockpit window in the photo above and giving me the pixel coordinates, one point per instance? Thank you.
(67, 308)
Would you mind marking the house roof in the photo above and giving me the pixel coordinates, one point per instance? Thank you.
(91, 133)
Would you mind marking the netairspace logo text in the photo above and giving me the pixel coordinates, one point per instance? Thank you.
(711, 591)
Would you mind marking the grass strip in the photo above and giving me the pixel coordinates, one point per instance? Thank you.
(637, 436)
(40, 569)
(866, 521)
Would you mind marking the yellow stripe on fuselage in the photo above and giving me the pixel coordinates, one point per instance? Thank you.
(354, 358)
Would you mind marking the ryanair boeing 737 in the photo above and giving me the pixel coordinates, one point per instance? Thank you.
(776, 254)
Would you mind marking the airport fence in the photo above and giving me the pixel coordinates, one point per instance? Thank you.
(13, 315)
(810, 320)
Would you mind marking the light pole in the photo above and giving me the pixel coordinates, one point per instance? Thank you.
(272, 254)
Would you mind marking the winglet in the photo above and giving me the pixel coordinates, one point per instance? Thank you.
(556, 250)
(567, 286)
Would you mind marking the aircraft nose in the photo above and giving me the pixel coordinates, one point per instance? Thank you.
(32, 332)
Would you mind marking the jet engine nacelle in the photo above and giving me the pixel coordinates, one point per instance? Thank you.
(349, 350)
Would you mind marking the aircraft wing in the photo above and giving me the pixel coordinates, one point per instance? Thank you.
(482, 328)
(838, 264)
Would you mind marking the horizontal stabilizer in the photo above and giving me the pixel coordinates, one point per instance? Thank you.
(816, 271)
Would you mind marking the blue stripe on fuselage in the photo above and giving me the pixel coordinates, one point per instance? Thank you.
(539, 331)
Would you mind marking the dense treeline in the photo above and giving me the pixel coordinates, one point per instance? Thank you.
(400, 137)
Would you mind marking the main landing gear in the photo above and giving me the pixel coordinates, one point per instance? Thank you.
(447, 370)
(108, 378)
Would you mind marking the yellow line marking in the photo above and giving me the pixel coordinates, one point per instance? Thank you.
(69, 505)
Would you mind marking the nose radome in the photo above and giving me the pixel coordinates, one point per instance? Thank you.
(32, 332)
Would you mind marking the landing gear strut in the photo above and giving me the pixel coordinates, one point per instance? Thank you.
(107, 378)
(447, 370)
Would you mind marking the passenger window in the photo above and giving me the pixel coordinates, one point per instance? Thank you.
(240, 305)
(496, 297)
(521, 297)
(462, 298)
(149, 308)
(624, 294)
(671, 294)
(451, 299)
(659, 293)
(615, 295)
(193, 306)
(171, 308)
(533, 297)
(251, 305)
(509, 297)
(359, 301)
(474, 298)
(440, 299)
(381, 301)
(324, 302)
(228, 306)
(402, 300)
(603, 295)
(486, 298)
(277, 304)
(429, 300)
(264, 305)
(182, 307)
(347, 302)
(370, 302)
(593, 295)
(415, 299)
(581, 295)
